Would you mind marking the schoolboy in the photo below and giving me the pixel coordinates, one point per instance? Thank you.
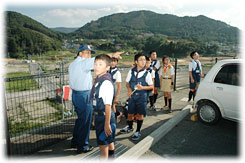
(138, 82)
(155, 65)
(117, 80)
(167, 81)
(152, 72)
(195, 73)
(103, 91)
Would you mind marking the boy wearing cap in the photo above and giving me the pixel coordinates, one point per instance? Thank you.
(103, 91)
(138, 82)
(80, 80)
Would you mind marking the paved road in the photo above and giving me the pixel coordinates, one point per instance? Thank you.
(193, 139)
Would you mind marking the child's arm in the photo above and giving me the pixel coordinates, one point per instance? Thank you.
(149, 87)
(129, 89)
(107, 126)
(190, 74)
(119, 85)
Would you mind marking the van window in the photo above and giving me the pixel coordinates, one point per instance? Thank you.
(229, 74)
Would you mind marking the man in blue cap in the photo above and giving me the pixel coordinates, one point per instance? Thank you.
(80, 79)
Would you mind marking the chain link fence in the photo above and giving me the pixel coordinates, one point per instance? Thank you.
(37, 114)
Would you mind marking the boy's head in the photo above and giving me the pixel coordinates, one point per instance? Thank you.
(153, 55)
(102, 64)
(148, 62)
(194, 55)
(114, 62)
(140, 60)
(165, 60)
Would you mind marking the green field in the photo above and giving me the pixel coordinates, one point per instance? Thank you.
(21, 84)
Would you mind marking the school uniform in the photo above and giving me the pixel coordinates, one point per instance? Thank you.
(156, 63)
(196, 69)
(115, 74)
(151, 97)
(138, 101)
(166, 72)
(104, 94)
(80, 80)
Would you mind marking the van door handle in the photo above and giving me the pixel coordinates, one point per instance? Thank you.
(219, 88)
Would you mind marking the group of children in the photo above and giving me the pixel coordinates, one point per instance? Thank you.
(142, 83)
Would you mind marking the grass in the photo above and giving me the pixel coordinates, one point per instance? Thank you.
(22, 84)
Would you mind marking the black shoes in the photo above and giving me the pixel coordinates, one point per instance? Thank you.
(90, 148)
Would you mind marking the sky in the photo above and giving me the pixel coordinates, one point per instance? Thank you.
(74, 13)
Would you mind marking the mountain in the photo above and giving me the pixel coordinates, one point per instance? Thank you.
(27, 36)
(129, 25)
(64, 29)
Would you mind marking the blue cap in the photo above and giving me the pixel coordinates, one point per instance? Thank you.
(85, 47)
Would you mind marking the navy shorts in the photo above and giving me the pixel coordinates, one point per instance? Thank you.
(137, 104)
(99, 128)
(195, 84)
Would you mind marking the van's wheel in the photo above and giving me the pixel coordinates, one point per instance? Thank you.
(208, 113)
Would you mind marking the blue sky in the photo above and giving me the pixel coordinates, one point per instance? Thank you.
(75, 13)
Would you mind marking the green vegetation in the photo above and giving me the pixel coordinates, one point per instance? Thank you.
(27, 36)
(128, 26)
(133, 32)
(18, 85)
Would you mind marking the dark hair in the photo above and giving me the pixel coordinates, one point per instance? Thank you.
(113, 59)
(105, 58)
(147, 58)
(164, 57)
(136, 57)
(192, 54)
(152, 52)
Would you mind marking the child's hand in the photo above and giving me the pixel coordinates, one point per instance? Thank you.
(140, 87)
(107, 129)
(171, 86)
(129, 93)
(192, 80)
(152, 92)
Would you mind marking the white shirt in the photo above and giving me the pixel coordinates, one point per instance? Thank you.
(106, 92)
(117, 76)
(171, 71)
(153, 74)
(193, 65)
(148, 76)
(158, 65)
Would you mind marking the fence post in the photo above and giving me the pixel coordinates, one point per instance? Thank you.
(175, 73)
(6, 124)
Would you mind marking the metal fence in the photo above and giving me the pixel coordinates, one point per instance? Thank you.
(37, 115)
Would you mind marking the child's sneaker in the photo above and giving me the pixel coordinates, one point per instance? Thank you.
(126, 130)
(136, 136)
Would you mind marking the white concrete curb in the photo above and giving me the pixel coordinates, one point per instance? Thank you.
(140, 148)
